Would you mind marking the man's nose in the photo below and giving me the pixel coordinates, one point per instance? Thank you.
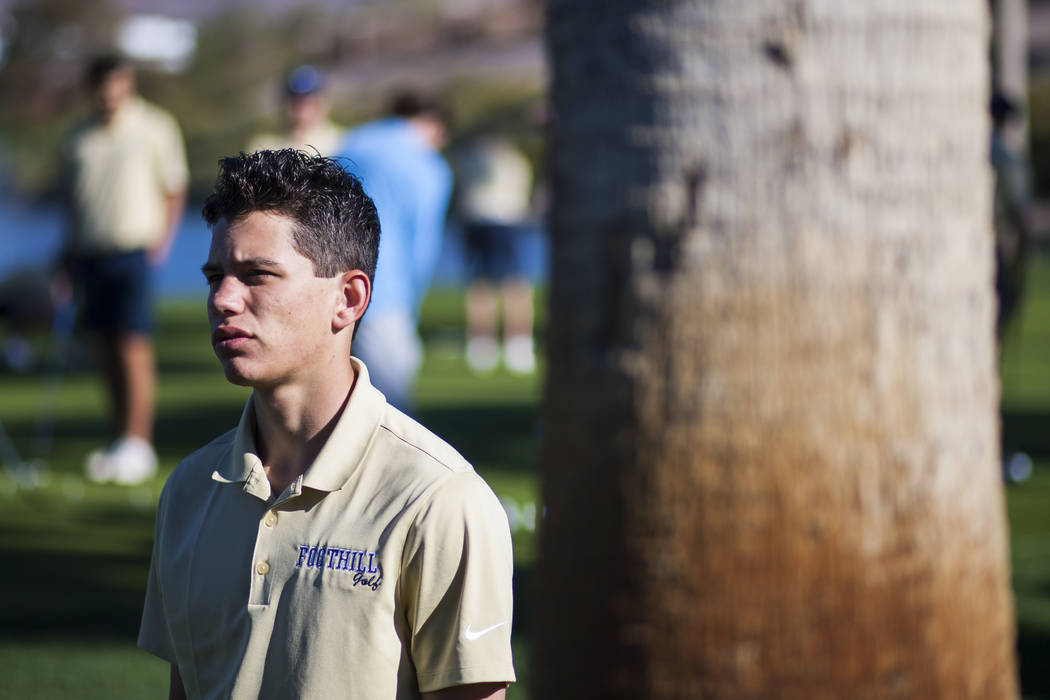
(226, 298)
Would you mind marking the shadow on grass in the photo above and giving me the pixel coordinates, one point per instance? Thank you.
(501, 437)
(178, 433)
(190, 366)
(496, 437)
(1033, 649)
(61, 593)
(1026, 431)
(91, 427)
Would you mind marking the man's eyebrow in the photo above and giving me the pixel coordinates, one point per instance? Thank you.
(257, 262)
(211, 267)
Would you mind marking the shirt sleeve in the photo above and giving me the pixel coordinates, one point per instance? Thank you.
(154, 634)
(171, 153)
(456, 587)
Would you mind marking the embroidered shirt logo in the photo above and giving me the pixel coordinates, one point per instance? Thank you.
(361, 563)
(471, 635)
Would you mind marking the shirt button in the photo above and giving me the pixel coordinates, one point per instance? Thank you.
(263, 568)
(271, 519)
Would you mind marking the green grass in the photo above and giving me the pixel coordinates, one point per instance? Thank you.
(74, 555)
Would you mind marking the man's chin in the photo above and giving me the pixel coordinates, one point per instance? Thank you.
(235, 376)
(237, 380)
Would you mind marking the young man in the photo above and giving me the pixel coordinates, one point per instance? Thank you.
(126, 179)
(329, 546)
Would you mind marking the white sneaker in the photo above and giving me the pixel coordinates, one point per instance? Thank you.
(519, 356)
(98, 467)
(130, 460)
(482, 353)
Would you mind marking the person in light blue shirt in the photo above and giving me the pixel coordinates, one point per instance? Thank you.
(398, 161)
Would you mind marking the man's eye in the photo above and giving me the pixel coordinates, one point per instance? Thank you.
(212, 280)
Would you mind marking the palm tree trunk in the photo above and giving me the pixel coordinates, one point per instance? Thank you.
(770, 427)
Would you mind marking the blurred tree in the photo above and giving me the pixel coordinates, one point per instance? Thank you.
(222, 96)
(46, 42)
(771, 455)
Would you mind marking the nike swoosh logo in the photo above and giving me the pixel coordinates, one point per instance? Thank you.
(471, 635)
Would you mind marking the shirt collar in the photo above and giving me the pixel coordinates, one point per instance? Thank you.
(126, 113)
(338, 458)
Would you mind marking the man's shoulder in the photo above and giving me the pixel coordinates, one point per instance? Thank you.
(390, 138)
(430, 473)
(266, 141)
(418, 446)
(148, 115)
(375, 129)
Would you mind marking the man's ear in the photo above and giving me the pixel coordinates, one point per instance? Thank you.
(355, 292)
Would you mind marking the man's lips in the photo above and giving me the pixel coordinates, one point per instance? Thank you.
(229, 337)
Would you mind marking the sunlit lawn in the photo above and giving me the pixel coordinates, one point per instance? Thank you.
(74, 555)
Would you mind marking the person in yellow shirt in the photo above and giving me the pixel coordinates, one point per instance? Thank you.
(306, 122)
(125, 175)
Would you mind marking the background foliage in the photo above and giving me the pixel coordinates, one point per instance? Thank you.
(230, 89)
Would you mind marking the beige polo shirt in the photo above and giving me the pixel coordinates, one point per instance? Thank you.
(120, 174)
(384, 571)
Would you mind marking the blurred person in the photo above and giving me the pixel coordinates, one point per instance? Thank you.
(398, 161)
(26, 308)
(1012, 204)
(126, 175)
(494, 186)
(305, 114)
(329, 546)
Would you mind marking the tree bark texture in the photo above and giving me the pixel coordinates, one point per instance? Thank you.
(771, 438)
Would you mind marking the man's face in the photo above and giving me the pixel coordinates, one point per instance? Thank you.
(271, 317)
(113, 92)
(304, 111)
(433, 130)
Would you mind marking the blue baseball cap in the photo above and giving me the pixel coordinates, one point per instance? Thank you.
(304, 80)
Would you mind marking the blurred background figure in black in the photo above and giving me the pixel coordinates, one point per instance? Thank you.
(1012, 211)
(26, 308)
(306, 124)
(494, 186)
(1012, 215)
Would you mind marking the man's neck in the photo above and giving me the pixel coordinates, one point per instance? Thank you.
(293, 422)
(304, 129)
(108, 117)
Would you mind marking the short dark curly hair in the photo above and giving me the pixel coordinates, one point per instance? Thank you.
(336, 223)
(102, 66)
